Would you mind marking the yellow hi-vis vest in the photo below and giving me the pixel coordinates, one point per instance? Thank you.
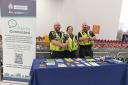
(72, 44)
(85, 35)
(60, 39)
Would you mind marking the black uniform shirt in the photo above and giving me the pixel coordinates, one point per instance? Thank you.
(90, 33)
(52, 36)
(71, 36)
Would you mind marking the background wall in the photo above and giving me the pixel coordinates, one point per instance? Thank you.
(0, 18)
(0, 24)
(73, 12)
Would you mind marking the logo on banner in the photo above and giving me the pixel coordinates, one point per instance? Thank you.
(17, 9)
(16, 28)
(12, 23)
(10, 6)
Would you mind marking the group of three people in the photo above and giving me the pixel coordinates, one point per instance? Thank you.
(65, 45)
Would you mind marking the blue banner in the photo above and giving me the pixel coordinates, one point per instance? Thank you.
(0, 3)
(16, 8)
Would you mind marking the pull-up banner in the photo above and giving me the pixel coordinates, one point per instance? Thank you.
(18, 32)
(18, 8)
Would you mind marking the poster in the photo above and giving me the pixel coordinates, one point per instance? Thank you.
(18, 25)
(96, 29)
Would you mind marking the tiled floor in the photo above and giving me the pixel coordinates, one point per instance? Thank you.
(12, 83)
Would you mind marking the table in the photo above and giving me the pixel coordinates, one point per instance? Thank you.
(111, 74)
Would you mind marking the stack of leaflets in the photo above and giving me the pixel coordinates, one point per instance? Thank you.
(98, 59)
(94, 64)
(70, 65)
(59, 60)
(117, 61)
(78, 59)
(69, 60)
(61, 65)
(87, 64)
(114, 61)
(50, 62)
(102, 62)
(77, 62)
(80, 65)
(83, 61)
(42, 64)
(90, 60)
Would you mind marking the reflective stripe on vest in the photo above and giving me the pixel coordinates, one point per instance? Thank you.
(85, 35)
(60, 39)
(72, 44)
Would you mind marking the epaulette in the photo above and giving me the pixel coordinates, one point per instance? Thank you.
(66, 35)
(53, 33)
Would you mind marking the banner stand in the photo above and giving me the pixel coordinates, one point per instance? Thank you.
(18, 23)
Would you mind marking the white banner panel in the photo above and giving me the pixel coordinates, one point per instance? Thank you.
(18, 47)
(18, 25)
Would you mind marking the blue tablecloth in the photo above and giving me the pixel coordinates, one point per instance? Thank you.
(115, 74)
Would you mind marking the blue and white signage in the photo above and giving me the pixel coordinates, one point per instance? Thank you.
(18, 8)
(18, 23)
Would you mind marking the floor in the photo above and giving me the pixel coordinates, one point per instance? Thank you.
(12, 83)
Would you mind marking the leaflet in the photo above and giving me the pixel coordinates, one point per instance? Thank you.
(94, 64)
(69, 60)
(87, 64)
(90, 60)
(51, 63)
(117, 61)
(78, 59)
(42, 66)
(62, 65)
(80, 65)
(59, 60)
(50, 60)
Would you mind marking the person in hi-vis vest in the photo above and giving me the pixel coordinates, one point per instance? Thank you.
(86, 39)
(72, 43)
(57, 42)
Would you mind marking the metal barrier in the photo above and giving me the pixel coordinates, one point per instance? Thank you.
(43, 54)
(123, 56)
(113, 52)
(100, 54)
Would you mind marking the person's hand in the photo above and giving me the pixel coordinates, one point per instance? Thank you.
(63, 45)
(86, 39)
(92, 38)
